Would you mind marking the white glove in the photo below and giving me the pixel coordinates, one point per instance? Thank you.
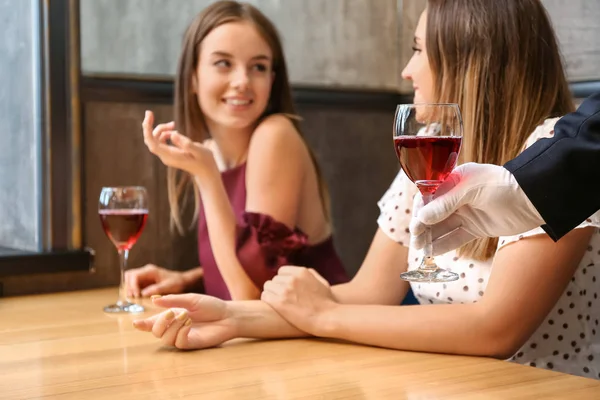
(477, 200)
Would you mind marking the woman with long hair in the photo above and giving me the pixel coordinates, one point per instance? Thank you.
(260, 199)
(523, 298)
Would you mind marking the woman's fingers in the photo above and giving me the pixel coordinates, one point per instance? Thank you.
(188, 301)
(138, 278)
(146, 324)
(274, 287)
(282, 279)
(172, 148)
(147, 124)
(181, 341)
(151, 133)
(148, 120)
(181, 141)
(160, 128)
(292, 270)
(166, 325)
(162, 323)
(164, 137)
(176, 333)
(169, 335)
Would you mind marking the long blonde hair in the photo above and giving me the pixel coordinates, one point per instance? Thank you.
(189, 118)
(499, 60)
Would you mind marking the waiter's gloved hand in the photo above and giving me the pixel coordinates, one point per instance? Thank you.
(477, 200)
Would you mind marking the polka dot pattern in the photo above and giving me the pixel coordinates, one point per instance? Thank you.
(396, 209)
(567, 340)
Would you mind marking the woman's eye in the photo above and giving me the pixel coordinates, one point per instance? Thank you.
(260, 67)
(223, 63)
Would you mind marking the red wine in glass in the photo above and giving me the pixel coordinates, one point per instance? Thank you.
(123, 227)
(427, 160)
(123, 213)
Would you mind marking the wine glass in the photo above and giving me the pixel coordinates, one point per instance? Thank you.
(123, 213)
(427, 139)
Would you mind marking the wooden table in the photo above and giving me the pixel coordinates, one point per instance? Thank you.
(63, 346)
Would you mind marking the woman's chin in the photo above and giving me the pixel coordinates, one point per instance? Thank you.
(418, 99)
(229, 121)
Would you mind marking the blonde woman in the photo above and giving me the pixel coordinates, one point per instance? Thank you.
(523, 298)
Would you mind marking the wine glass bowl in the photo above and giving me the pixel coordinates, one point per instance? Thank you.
(123, 227)
(427, 141)
(427, 161)
(123, 213)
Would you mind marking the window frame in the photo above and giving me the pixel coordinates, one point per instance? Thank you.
(60, 203)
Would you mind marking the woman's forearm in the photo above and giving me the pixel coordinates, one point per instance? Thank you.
(435, 328)
(256, 319)
(351, 293)
(221, 224)
(354, 293)
(347, 293)
(443, 328)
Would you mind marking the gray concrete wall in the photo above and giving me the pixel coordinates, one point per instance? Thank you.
(409, 11)
(350, 43)
(577, 25)
(19, 189)
(339, 43)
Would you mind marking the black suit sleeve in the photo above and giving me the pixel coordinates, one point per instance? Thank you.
(560, 175)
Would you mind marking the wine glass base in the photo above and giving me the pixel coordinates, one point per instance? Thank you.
(430, 276)
(124, 307)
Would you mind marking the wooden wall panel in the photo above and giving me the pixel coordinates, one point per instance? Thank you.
(355, 152)
(116, 156)
(357, 156)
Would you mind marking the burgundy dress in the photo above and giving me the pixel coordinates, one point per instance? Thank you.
(263, 244)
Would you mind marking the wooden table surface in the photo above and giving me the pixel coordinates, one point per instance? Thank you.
(63, 346)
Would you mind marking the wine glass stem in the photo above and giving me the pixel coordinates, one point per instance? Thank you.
(428, 250)
(123, 255)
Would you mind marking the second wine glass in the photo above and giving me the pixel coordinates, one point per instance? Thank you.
(427, 140)
(123, 213)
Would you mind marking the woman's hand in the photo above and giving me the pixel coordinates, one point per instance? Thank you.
(182, 153)
(193, 321)
(301, 296)
(151, 280)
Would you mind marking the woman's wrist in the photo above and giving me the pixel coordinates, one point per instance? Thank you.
(325, 324)
(242, 318)
(256, 319)
(207, 174)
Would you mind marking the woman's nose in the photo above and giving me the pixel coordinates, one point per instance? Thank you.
(240, 79)
(406, 73)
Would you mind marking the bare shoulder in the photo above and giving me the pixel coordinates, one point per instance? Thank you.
(542, 131)
(277, 153)
(276, 122)
(276, 134)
